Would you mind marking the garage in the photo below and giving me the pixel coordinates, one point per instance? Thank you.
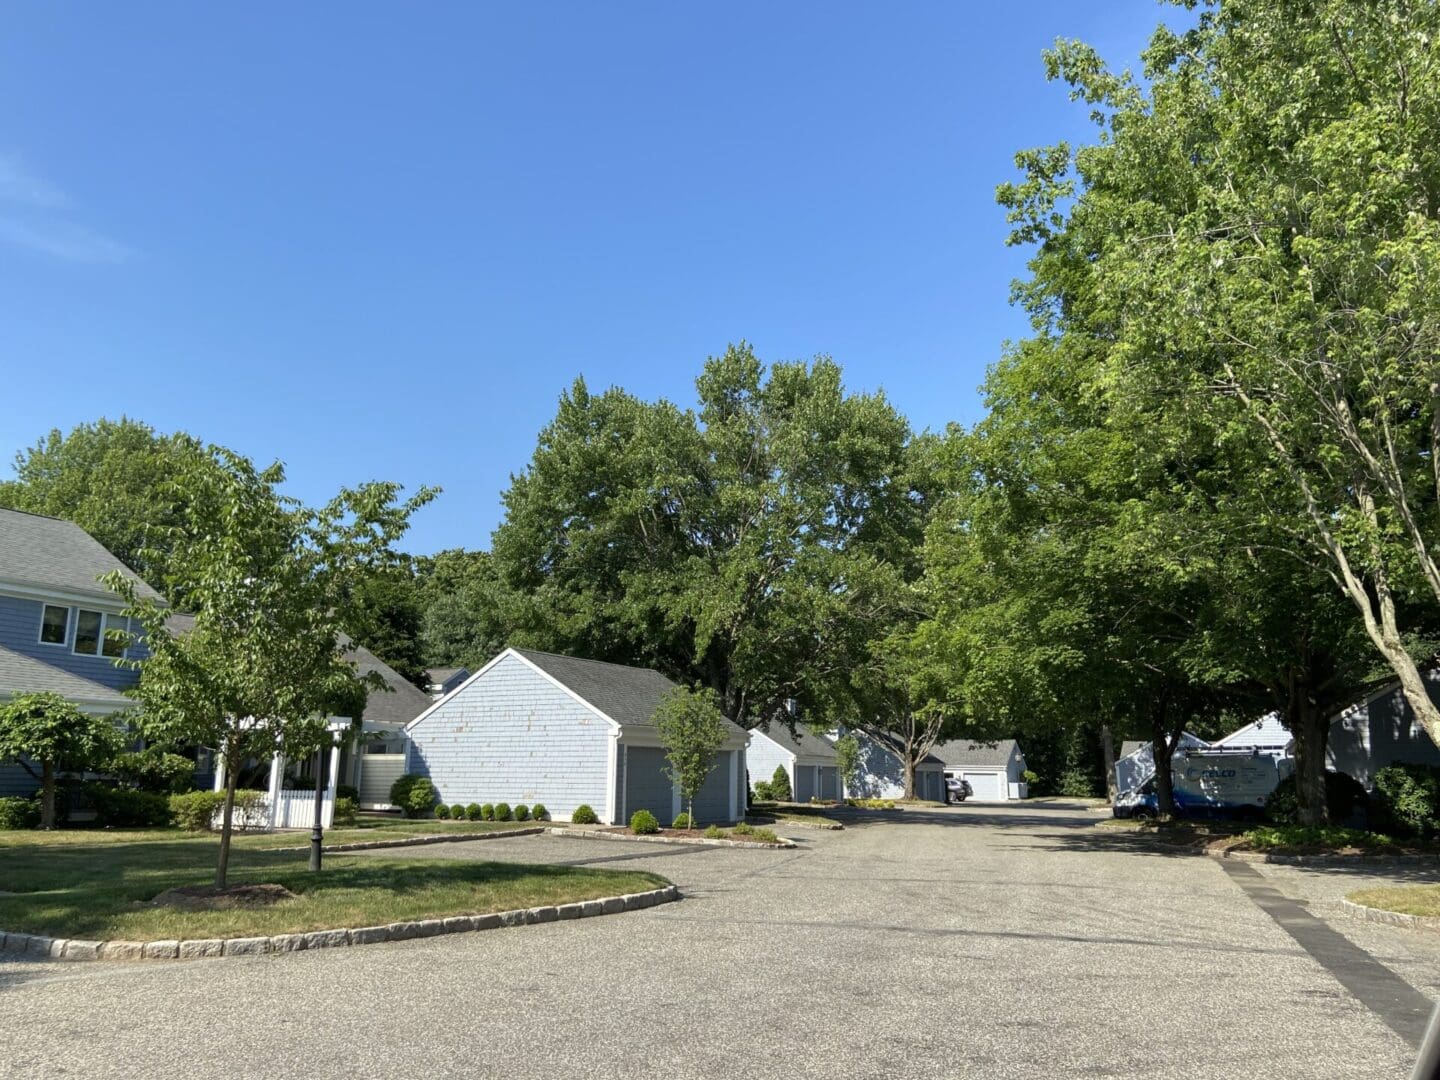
(809, 760)
(995, 770)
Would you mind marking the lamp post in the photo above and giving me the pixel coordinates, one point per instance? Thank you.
(317, 831)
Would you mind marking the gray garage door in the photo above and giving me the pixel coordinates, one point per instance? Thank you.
(804, 783)
(647, 785)
(988, 786)
(929, 783)
(712, 802)
(829, 782)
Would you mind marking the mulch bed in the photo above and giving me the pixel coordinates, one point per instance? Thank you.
(680, 834)
(211, 898)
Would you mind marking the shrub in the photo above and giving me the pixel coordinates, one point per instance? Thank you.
(714, 832)
(743, 828)
(415, 795)
(457, 811)
(539, 813)
(764, 836)
(780, 785)
(522, 812)
(681, 822)
(442, 811)
(347, 810)
(1030, 777)
(1342, 794)
(475, 812)
(154, 770)
(871, 804)
(764, 791)
(127, 806)
(643, 822)
(583, 815)
(1409, 796)
(18, 813)
(487, 812)
(1315, 836)
(348, 791)
(502, 811)
(196, 809)
(1076, 783)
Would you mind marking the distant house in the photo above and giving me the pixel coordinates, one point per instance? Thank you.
(54, 615)
(1381, 730)
(533, 726)
(1268, 735)
(809, 760)
(882, 772)
(441, 680)
(995, 770)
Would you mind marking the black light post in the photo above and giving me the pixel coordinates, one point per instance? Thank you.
(317, 832)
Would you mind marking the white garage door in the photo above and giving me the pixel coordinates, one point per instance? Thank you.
(987, 786)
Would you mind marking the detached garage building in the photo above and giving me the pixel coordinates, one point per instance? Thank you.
(810, 761)
(533, 726)
(995, 770)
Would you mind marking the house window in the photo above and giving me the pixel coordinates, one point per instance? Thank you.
(90, 634)
(54, 624)
(88, 627)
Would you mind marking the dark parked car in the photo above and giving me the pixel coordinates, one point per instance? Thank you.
(957, 789)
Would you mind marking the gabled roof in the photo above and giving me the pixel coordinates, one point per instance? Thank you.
(801, 744)
(441, 675)
(627, 695)
(973, 753)
(26, 675)
(50, 553)
(1268, 732)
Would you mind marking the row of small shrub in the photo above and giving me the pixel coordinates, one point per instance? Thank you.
(776, 788)
(871, 804)
(491, 812)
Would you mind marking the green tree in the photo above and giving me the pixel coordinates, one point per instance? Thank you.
(48, 729)
(717, 544)
(1258, 226)
(467, 613)
(692, 730)
(116, 480)
(261, 663)
(780, 785)
(847, 758)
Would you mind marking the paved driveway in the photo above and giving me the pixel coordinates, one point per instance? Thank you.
(968, 942)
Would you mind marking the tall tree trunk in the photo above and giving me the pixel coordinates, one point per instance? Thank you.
(222, 867)
(1162, 748)
(1107, 747)
(909, 773)
(1311, 730)
(47, 794)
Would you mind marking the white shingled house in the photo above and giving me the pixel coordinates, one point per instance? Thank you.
(535, 727)
(995, 769)
(810, 761)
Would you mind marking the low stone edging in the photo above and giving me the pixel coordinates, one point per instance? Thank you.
(1390, 918)
(585, 834)
(416, 841)
(74, 949)
(1322, 860)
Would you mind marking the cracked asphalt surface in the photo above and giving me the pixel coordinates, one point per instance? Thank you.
(970, 942)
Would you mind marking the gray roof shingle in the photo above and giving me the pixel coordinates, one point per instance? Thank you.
(801, 743)
(975, 753)
(23, 674)
(441, 675)
(627, 695)
(57, 554)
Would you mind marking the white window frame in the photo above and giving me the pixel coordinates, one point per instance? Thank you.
(106, 621)
(40, 634)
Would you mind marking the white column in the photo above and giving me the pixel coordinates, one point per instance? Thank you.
(328, 812)
(219, 784)
(277, 772)
(734, 780)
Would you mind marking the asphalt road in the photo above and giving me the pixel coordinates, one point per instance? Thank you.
(973, 942)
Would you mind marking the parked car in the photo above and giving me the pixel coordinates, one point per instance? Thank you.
(957, 789)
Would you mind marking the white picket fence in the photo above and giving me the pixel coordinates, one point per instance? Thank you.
(294, 810)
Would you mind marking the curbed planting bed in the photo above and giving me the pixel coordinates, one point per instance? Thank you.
(621, 833)
(38, 946)
(416, 841)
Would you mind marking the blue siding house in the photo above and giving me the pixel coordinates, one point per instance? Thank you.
(534, 727)
(54, 618)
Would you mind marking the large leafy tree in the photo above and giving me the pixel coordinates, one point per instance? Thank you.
(719, 543)
(47, 729)
(1259, 221)
(272, 585)
(115, 479)
(467, 615)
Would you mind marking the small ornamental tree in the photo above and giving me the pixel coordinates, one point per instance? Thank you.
(262, 662)
(780, 785)
(692, 730)
(53, 732)
(847, 754)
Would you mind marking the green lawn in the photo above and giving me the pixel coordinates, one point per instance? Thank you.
(97, 885)
(1406, 899)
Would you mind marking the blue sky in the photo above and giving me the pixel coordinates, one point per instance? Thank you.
(378, 241)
